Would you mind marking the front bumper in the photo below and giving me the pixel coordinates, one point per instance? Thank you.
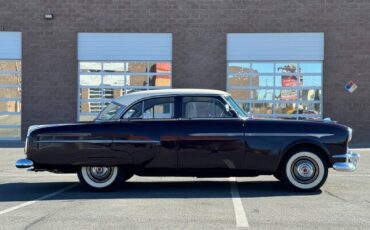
(350, 164)
(23, 163)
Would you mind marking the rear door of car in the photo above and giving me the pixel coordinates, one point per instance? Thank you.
(151, 120)
(210, 136)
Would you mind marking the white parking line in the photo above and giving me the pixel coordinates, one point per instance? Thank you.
(38, 199)
(240, 216)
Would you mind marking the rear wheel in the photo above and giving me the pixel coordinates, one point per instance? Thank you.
(304, 170)
(100, 178)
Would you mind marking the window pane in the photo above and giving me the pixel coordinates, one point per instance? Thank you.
(239, 67)
(286, 67)
(286, 94)
(252, 94)
(160, 80)
(204, 107)
(286, 81)
(308, 81)
(10, 65)
(310, 95)
(10, 106)
(10, 79)
(10, 93)
(245, 106)
(138, 80)
(285, 108)
(135, 111)
(159, 67)
(87, 117)
(114, 80)
(90, 79)
(263, 67)
(159, 108)
(309, 108)
(99, 93)
(10, 133)
(90, 67)
(113, 67)
(311, 67)
(137, 67)
(261, 108)
(10, 119)
(261, 81)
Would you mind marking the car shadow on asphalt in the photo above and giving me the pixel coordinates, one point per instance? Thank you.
(148, 190)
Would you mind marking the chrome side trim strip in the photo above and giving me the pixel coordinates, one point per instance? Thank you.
(101, 141)
(137, 141)
(216, 134)
(75, 141)
(318, 135)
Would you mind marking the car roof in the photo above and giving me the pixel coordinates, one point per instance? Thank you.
(132, 97)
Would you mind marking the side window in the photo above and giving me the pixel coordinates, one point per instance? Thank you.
(158, 108)
(204, 107)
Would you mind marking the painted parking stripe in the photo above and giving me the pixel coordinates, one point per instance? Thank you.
(37, 200)
(240, 216)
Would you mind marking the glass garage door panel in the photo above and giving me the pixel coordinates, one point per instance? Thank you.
(10, 99)
(289, 89)
(101, 82)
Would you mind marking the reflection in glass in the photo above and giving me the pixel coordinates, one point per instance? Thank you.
(114, 80)
(10, 79)
(261, 108)
(310, 95)
(10, 133)
(286, 94)
(311, 67)
(239, 67)
(139, 80)
(10, 65)
(90, 79)
(10, 119)
(137, 67)
(285, 108)
(10, 106)
(263, 67)
(311, 81)
(286, 67)
(113, 67)
(90, 67)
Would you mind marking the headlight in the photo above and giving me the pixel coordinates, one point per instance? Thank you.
(349, 134)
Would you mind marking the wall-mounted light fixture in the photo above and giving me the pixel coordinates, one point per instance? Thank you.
(49, 16)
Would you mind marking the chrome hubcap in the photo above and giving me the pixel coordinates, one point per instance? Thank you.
(304, 170)
(99, 174)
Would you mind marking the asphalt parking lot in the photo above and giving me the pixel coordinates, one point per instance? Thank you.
(31, 200)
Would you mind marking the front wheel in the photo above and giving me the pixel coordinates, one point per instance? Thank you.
(100, 178)
(304, 170)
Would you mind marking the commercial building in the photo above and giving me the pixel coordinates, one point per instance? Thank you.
(63, 60)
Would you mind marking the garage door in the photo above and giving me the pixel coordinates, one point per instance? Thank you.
(10, 85)
(276, 74)
(114, 64)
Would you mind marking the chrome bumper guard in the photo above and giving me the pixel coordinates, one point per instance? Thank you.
(23, 163)
(351, 162)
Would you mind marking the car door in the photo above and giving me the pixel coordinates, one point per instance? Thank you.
(211, 137)
(154, 120)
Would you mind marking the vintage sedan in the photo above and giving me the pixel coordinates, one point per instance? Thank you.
(188, 132)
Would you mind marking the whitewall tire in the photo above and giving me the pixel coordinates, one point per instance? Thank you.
(100, 178)
(304, 170)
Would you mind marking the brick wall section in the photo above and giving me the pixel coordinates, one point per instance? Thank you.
(199, 45)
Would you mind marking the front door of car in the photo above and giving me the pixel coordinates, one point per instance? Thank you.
(153, 120)
(211, 137)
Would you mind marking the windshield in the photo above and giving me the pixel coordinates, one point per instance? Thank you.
(236, 107)
(110, 111)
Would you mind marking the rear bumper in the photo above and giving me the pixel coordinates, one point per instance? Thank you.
(350, 164)
(23, 163)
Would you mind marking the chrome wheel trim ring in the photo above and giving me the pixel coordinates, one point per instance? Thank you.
(317, 177)
(304, 170)
(99, 177)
